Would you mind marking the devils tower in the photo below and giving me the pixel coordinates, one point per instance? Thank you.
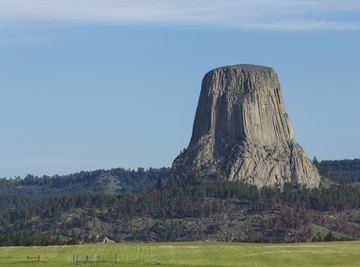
(242, 132)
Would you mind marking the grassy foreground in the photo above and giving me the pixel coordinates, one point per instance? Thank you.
(186, 254)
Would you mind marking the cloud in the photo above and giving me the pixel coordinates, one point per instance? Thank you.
(242, 14)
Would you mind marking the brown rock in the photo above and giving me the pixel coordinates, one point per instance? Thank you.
(242, 132)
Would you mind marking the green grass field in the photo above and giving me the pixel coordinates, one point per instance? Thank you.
(187, 254)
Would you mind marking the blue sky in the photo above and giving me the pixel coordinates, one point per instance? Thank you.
(90, 84)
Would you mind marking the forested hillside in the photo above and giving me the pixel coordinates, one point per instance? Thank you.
(16, 192)
(347, 170)
(223, 211)
(147, 205)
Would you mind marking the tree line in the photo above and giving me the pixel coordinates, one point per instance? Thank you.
(175, 200)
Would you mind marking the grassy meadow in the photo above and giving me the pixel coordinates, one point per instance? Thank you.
(186, 254)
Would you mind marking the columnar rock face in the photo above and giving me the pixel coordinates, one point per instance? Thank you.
(242, 132)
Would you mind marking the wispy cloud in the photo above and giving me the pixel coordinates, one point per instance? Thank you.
(242, 14)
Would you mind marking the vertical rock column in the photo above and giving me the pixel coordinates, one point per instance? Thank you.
(242, 132)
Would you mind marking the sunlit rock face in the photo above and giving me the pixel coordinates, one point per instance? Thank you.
(242, 132)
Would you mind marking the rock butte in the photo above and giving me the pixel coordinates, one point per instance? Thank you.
(242, 132)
